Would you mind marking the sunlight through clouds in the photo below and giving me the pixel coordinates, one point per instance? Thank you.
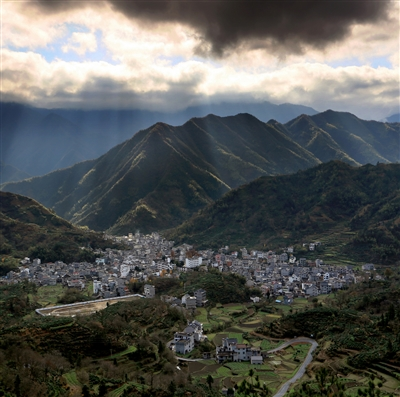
(90, 56)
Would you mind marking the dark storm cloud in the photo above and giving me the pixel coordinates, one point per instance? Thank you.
(225, 24)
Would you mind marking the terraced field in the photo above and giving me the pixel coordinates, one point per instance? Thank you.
(240, 321)
(276, 370)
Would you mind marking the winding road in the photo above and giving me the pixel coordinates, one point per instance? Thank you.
(285, 387)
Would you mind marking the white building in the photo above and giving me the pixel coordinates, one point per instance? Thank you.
(190, 263)
(195, 328)
(184, 342)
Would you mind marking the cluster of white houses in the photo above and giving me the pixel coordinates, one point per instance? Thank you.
(231, 350)
(184, 341)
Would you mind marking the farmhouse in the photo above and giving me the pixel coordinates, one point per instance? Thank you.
(230, 350)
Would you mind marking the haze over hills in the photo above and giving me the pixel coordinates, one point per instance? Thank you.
(164, 174)
(10, 173)
(279, 210)
(38, 141)
(394, 118)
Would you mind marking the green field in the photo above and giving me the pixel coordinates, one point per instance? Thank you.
(71, 379)
(130, 349)
(49, 295)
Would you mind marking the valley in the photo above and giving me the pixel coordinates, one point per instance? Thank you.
(199, 198)
(92, 313)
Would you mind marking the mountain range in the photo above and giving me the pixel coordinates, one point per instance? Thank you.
(280, 210)
(37, 141)
(164, 174)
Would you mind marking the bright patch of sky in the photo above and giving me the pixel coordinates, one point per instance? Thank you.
(374, 62)
(172, 60)
(380, 62)
(68, 48)
(74, 52)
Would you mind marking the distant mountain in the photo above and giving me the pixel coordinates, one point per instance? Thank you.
(38, 141)
(9, 173)
(279, 210)
(342, 136)
(164, 174)
(394, 118)
(28, 228)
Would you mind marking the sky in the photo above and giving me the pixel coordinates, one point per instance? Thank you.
(166, 55)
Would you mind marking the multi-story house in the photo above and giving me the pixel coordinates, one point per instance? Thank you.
(184, 342)
(149, 291)
(201, 299)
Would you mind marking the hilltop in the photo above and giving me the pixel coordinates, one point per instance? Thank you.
(63, 137)
(27, 228)
(342, 136)
(280, 210)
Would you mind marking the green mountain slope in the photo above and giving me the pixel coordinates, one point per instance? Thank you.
(291, 208)
(164, 174)
(27, 228)
(342, 136)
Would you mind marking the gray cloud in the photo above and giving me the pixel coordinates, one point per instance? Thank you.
(223, 25)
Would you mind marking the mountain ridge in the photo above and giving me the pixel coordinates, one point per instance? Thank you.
(165, 174)
(193, 165)
(288, 209)
(86, 134)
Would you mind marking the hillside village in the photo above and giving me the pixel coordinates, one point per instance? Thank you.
(150, 256)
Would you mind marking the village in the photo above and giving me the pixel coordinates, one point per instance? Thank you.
(149, 256)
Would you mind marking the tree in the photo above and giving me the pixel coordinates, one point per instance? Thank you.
(102, 389)
(172, 388)
(210, 381)
(161, 347)
(17, 386)
(85, 391)
(251, 374)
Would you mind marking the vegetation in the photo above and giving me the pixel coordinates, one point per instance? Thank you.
(29, 229)
(192, 165)
(196, 163)
(342, 136)
(332, 197)
(118, 350)
(358, 333)
(220, 287)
